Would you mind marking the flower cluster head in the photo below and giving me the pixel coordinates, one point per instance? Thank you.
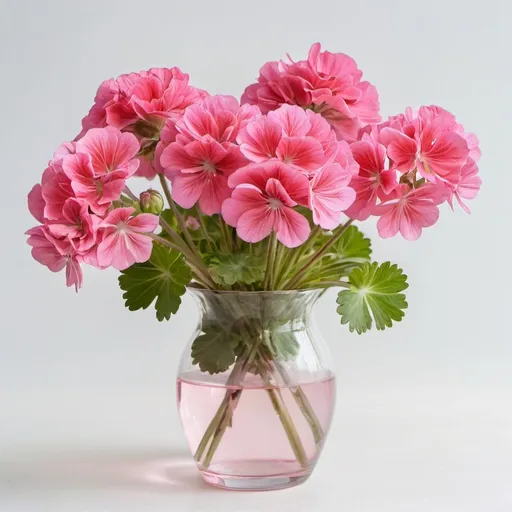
(74, 204)
(328, 83)
(294, 160)
(409, 165)
(141, 103)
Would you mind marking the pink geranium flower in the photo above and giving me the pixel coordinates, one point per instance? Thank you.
(77, 225)
(263, 201)
(291, 135)
(55, 254)
(55, 190)
(125, 239)
(328, 83)
(110, 150)
(468, 185)
(409, 211)
(97, 191)
(373, 180)
(427, 141)
(199, 172)
(330, 195)
(219, 117)
(154, 95)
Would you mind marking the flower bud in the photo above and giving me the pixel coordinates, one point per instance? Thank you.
(192, 223)
(151, 202)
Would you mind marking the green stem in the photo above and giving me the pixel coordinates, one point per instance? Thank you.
(286, 420)
(327, 284)
(269, 264)
(209, 241)
(295, 280)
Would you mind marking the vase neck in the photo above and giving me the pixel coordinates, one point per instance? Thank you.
(262, 307)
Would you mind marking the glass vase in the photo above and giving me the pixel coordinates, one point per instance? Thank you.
(255, 390)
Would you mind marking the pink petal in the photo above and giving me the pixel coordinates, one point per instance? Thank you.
(255, 224)
(303, 152)
(215, 192)
(74, 276)
(401, 149)
(446, 154)
(275, 190)
(292, 229)
(36, 203)
(259, 139)
(187, 188)
(110, 149)
(144, 223)
(389, 223)
(117, 216)
(243, 198)
(293, 120)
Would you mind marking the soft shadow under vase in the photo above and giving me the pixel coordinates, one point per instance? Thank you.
(255, 391)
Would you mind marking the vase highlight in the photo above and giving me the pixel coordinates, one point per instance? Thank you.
(257, 411)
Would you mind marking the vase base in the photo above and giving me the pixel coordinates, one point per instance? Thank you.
(255, 475)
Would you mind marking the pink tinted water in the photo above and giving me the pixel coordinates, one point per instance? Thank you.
(256, 444)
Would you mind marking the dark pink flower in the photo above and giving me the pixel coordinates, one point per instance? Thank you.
(328, 83)
(199, 172)
(373, 180)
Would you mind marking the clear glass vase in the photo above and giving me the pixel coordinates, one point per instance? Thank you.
(255, 390)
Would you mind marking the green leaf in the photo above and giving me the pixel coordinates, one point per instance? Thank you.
(283, 345)
(164, 278)
(238, 268)
(374, 292)
(215, 350)
(352, 244)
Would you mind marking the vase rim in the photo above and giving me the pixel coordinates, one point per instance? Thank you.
(295, 292)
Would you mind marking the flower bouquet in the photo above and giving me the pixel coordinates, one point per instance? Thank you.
(262, 198)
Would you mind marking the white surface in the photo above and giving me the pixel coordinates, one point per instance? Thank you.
(424, 417)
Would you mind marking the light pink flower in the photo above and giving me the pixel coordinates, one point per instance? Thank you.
(55, 254)
(110, 150)
(328, 83)
(468, 185)
(124, 238)
(330, 195)
(199, 172)
(373, 181)
(97, 191)
(263, 202)
(409, 211)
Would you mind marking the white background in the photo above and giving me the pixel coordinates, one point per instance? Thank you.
(424, 417)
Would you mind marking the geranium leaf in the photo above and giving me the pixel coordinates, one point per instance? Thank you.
(374, 295)
(164, 278)
(215, 350)
(352, 244)
(238, 268)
